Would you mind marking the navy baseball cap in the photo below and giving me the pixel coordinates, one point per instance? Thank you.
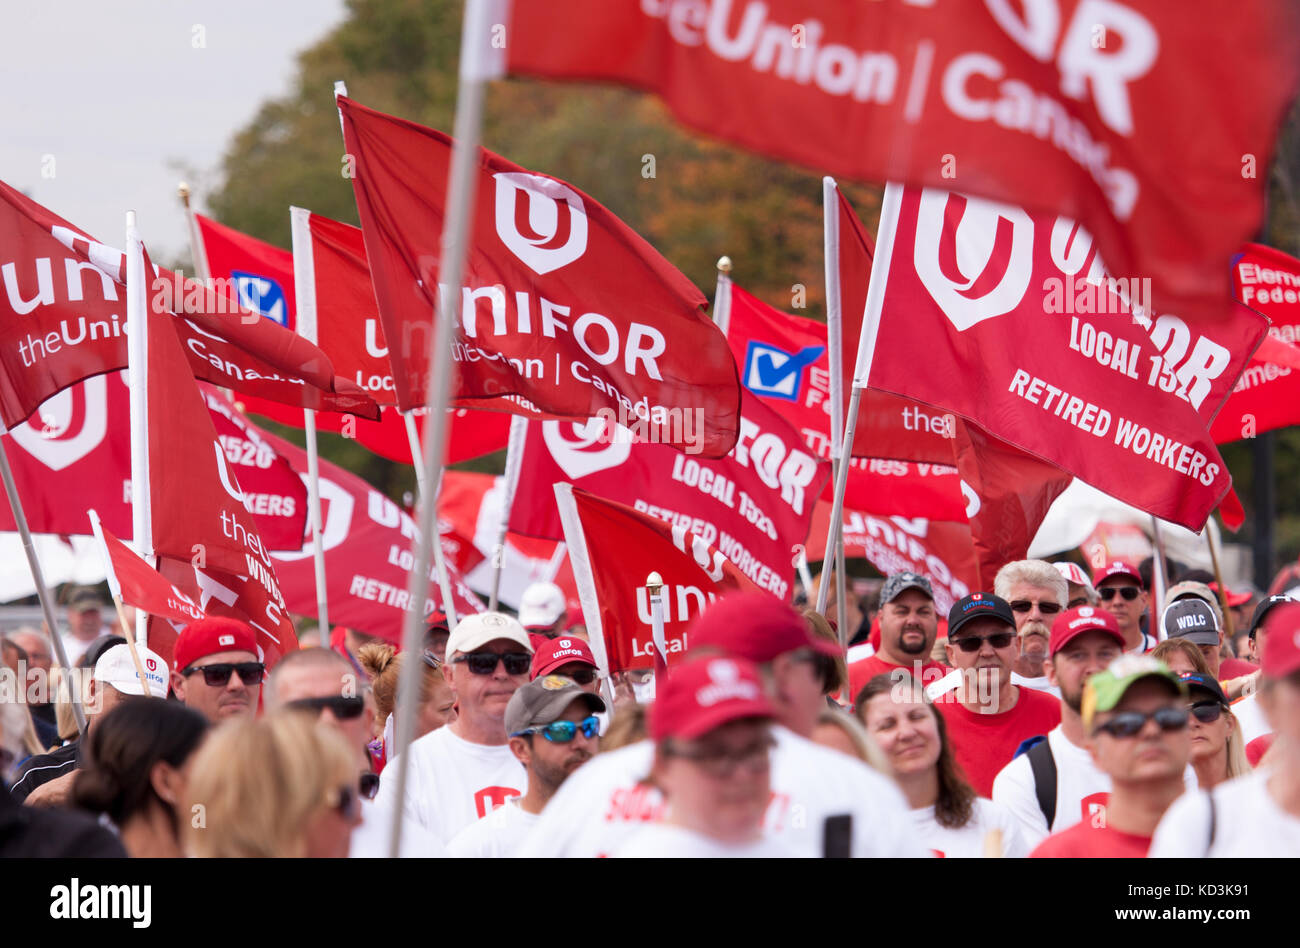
(978, 605)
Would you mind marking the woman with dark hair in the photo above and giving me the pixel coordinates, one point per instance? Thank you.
(949, 818)
(136, 769)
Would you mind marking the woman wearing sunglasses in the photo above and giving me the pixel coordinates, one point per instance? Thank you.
(1218, 752)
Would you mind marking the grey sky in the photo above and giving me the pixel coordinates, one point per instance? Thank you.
(116, 93)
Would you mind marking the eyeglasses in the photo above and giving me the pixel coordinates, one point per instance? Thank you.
(218, 675)
(369, 785)
(562, 732)
(1129, 723)
(485, 663)
(1078, 601)
(973, 643)
(1128, 592)
(721, 763)
(1207, 712)
(343, 708)
(1046, 608)
(346, 802)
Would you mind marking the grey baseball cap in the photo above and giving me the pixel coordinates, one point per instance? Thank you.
(1192, 619)
(543, 700)
(900, 582)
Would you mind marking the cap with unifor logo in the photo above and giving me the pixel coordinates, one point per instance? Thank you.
(543, 700)
(1281, 654)
(1191, 619)
(210, 636)
(756, 626)
(704, 693)
(980, 605)
(1117, 568)
(1072, 623)
(480, 628)
(116, 667)
(1106, 689)
(1206, 684)
(541, 606)
(554, 653)
(899, 583)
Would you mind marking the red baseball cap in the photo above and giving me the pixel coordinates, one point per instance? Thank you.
(705, 693)
(1072, 623)
(552, 653)
(756, 626)
(1282, 647)
(1117, 568)
(211, 635)
(1234, 599)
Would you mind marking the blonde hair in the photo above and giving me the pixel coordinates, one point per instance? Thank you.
(256, 784)
(869, 751)
(838, 680)
(383, 663)
(630, 724)
(64, 719)
(1188, 648)
(1238, 764)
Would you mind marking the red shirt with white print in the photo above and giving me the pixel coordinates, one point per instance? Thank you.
(985, 743)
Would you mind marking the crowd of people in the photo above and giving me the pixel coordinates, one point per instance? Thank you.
(1059, 714)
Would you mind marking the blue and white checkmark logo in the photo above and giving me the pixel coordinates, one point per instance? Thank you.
(776, 373)
(261, 294)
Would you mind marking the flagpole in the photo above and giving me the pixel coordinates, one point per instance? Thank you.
(198, 250)
(114, 592)
(514, 458)
(835, 345)
(654, 584)
(585, 581)
(461, 186)
(1228, 624)
(866, 351)
(722, 297)
(42, 593)
(1157, 581)
(439, 561)
(137, 348)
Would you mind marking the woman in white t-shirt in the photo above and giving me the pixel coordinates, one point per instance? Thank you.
(949, 819)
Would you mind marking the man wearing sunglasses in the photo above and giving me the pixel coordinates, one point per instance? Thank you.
(1123, 595)
(1135, 716)
(1037, 594)
(553, 731)
(461, 772)
(217, 668)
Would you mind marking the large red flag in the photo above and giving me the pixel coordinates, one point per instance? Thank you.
(565, 310)
(613, 549)
(1153, 124)
(1012, 321)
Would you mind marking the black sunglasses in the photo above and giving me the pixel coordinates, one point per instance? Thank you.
(1046, 608)
(584, 676)
(1128, 592)
(347, 801)
(343, 708)
(973, 643)
(369, 785)
(1207, 712)
(485, 663)
(1129, 723)
(218, 675)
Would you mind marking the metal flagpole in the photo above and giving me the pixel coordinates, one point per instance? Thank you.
(461, 187)
(514, 457)
(722, 298)
(1158, 577)
(439, 562)
(198, 250)
(137, 348)
(654, 584)
(866, 350)
(835, 346)
(1228, 625)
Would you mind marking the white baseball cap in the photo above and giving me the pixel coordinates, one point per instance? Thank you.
(543, 603)
(479, 629)
(116, 667)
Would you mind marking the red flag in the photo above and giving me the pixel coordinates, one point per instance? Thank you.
(613, 549)
(1267, 396)
(565, 310)
(138, 584)
(1098, 109)
(902, 488)
(1013, 322)
(260, 273)
(754, 505)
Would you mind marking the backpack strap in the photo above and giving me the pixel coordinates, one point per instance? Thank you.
(1043, 765)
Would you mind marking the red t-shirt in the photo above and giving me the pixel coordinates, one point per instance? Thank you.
(863, 671)
(1084, 841)
(1235, 668)
(985, 743)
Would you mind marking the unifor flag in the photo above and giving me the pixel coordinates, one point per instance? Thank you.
(366, 539)
(63, 319)
(260, 274)
(905, 488)
(613, 548)
(783, 360)
(565, 310)
(1012, 321)
(1152, 123)
(1267, 396)
(754, 505)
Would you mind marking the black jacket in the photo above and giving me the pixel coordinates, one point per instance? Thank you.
(43, 768)
(35, 832)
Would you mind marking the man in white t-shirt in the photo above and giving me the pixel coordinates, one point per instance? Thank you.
(553, 731)
(461, 772)
(1036, 593)
(599, 807)
(1257, 815)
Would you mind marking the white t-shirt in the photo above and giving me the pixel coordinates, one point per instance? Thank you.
(496, 836)
(1247, 822)
(968, 841)
(950, 681)
(370, 837)
(601, 805)
(1250, 717)
(662, 841)
(453, 783)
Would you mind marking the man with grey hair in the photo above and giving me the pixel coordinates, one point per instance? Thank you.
(1037, 594)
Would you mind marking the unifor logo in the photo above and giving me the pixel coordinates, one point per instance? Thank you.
(68, 425)
(540, 220)
(583, 448)
(262, 295)
(974, 257)
(775, 373)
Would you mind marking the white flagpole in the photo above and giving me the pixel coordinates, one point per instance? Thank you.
(439, 561)
(1158, 582)
(585, 581)
(304, 288)
(866, 350)
(722, 298)
(42, 593)
(461, 187)
(198, 250)
(514, 458)
(137, 347)
(835, 345)
(654, 584)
